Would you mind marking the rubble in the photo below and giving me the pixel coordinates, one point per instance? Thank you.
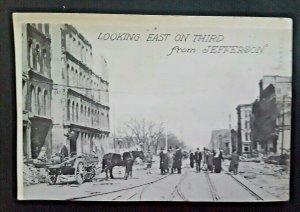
(33, 175)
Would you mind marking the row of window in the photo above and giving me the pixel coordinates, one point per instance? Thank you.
(39, 101)
(38, 58)
(82, 114)
(79, 79)
(78, 49)
(44, 28)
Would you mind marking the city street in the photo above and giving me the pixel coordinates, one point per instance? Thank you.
(188, 186)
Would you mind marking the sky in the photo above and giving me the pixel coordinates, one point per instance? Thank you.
(191, 93)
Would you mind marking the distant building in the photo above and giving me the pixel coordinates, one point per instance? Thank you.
(80, 94)
(244, 113)
(234, 140)
(221, 139)
(272, 115)
(36, 89)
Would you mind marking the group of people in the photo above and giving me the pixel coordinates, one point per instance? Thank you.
(170, 161)
(212, 160)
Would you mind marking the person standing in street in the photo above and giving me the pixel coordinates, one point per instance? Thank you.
(218, 157)
(210, 158)
(177, 159)
(234, 163)
(198, 158)
(149, 162)
(192, 159)
(163, 162)
(170, 156)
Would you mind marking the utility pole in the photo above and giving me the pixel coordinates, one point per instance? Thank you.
(282, 125)
(166, 138)
(230, 141)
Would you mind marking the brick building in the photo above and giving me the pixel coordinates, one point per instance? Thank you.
(272, 115)
(36, 89)
(80, 94)
(244, 113)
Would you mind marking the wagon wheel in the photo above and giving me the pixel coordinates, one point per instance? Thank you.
(91, 174)
(79, 173)
(52, 179)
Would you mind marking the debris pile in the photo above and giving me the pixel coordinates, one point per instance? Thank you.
(33, 175)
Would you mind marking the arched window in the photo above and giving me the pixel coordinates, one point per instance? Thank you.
(30, 54)
(73, 112)
(76, 77)
(80, 79)
(44, 61)
(24, 92)
(82, 84)
(81, 113)
(92, 118)
(37, 64)
(46, 105)
(72, 76)
(39, 101)
(68, 110)
(89, 115)
(85, 115)
(77, 108)
(32, 99)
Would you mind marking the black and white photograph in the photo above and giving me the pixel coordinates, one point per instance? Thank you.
(153, 108)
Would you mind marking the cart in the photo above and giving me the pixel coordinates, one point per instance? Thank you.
(76, 168)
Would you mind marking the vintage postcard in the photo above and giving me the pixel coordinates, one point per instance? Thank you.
(153, 108)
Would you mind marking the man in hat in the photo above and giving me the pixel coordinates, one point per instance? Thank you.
(177, 159)
(163, 161)
(198, 158)
(149, 162)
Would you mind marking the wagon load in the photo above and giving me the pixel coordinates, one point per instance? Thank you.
(77, 168)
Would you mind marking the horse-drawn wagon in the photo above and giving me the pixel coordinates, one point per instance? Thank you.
(76, 168)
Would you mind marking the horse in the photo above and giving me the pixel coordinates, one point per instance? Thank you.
(111, 160)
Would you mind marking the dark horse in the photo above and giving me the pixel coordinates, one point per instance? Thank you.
(111, 160)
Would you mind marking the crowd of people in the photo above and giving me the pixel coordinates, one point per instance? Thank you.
(212, 161)
(170, 161)
(206, 160)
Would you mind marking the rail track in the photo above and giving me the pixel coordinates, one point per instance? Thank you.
(214, 193)
(143, 186)
(178, 190)
(255, 195)
(136, 193)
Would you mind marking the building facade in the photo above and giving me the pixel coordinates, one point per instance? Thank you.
(36, 89)
(221, 139)
(272, 115)
(244, 113)
(80, 94)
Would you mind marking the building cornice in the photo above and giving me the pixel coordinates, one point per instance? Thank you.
(75, 93)
(41, 77)
(35, 30)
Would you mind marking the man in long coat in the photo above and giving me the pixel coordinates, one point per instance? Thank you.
(177, 159)
(163, 162)
(198, 158)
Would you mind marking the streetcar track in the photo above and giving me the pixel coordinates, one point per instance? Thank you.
(256, 196)
(93, 194)
(178, 189)
(213, 191)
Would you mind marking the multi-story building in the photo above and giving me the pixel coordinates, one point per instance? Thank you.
(244, 113)
(221, 139)
(36, 89)
(272, 115)
(80, 94)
